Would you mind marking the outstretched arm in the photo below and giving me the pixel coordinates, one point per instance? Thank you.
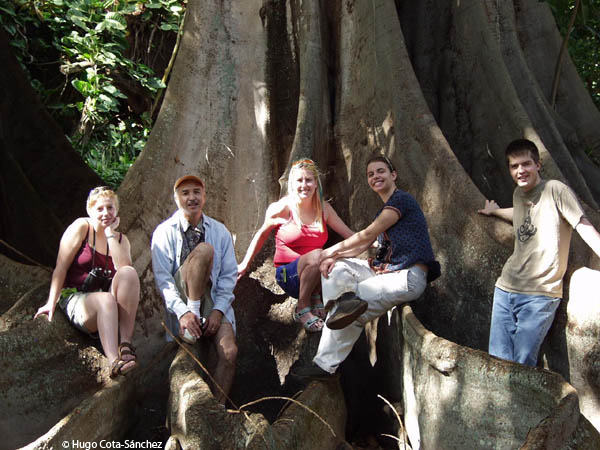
(491, 208)
(272, 219)
(358, 242)
(335, 222)
(69, 245)
(589, 234)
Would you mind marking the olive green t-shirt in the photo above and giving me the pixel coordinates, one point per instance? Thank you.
(543, 221)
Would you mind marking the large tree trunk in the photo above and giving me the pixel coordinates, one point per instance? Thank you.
(438, 86)
(43, 181)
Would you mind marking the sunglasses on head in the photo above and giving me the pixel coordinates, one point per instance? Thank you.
(99, 189)
(303, 161)
(389, 163)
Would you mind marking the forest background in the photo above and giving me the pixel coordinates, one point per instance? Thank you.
(101, 67)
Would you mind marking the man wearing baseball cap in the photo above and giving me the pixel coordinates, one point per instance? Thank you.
(195, 271)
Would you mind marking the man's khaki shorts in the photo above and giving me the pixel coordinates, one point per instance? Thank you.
(207, 304)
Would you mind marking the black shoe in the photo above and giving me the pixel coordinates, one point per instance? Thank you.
(314, 372)
(347, 308)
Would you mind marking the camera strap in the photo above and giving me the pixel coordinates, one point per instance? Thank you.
(94, 252)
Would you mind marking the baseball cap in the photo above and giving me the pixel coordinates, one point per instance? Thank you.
(187, 178)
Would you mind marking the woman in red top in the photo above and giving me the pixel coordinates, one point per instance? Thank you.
(94, 281)
(301, 219)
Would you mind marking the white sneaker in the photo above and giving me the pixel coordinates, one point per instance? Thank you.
(187, 337)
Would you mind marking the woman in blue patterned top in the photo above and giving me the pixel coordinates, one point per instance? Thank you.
(357, 291)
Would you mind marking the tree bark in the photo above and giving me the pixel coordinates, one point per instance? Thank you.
(43, 181)
(577, 115)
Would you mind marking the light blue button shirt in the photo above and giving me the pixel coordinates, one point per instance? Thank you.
(167, 241)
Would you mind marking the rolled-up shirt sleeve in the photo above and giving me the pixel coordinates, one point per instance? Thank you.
(225, 278)
(163, 264)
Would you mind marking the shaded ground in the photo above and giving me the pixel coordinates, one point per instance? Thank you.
(368, 417)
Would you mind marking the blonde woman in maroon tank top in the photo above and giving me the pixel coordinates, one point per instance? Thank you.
(300, 220)
(94, 281)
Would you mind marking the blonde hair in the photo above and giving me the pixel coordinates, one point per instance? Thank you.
(101, 192)
(317, 200)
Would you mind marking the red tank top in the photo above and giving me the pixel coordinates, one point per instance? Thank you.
(292, 241)
(82, 264)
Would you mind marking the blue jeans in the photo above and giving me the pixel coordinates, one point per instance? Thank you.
(520, 323)
(287, 278)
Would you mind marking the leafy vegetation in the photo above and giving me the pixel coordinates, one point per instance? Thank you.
(584, 40)
(94, 65)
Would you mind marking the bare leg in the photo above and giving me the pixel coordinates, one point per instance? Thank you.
(126, 290)
(196, 273)
(226, 347)
(196, 270)
(101, 314)
(310, 277)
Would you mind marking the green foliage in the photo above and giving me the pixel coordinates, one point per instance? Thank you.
(113, 148)
(584, 40)
(89, 42)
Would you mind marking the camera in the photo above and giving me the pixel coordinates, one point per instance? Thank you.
(98, 279)
(383, 250)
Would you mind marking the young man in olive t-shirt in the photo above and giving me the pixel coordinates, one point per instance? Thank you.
(529, 290)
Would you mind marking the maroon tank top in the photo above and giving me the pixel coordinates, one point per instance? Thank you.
(85, 260)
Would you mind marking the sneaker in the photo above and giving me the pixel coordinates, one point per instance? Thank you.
(314, 372)
(347, 308)
(187, 337)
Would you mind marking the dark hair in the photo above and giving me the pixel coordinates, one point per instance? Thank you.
(381, 158)
(520, 147)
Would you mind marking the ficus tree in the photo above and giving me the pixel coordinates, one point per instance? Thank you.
(438, 86)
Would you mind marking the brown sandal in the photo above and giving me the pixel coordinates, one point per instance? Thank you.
(126, 349)
(117, 367)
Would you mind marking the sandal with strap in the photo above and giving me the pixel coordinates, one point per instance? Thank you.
(309, 321)
(318, 308)
(121, 367)
(126, 349)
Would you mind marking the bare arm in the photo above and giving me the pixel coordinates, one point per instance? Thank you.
(119, 251)
(491, 208)
(272, 219)
(589, 234)
(335, 222)
(69, 245)
(358, 242)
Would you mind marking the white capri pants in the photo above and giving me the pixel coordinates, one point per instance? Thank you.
(382, 292)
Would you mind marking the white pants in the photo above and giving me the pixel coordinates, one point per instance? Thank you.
(381, 292)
